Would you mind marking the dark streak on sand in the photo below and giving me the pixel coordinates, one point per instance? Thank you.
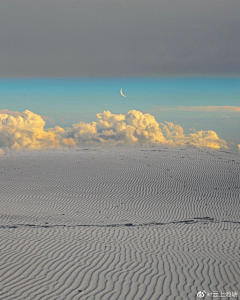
(190, 221)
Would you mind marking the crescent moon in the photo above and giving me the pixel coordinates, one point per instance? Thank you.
(121, 92)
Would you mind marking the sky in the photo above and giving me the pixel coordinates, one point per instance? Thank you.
(89, 38)
(44, 113)
(63, 62)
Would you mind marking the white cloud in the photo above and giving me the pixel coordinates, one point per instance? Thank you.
(200, 108)
(27, 131)
(210, 108)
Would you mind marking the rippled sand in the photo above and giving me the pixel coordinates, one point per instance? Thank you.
(133, 223)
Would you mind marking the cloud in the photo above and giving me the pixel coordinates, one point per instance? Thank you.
(175, 135)
(9, 112)
(1, 152)
(48, 119)
(26, 131)
(224, 108)
(239, 148)
(111, 129)
(210, 108)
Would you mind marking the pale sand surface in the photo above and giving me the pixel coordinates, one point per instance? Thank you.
(133, 223)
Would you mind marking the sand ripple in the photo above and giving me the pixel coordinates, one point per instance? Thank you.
(144, 223)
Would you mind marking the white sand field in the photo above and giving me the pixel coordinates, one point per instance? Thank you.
(123, 223)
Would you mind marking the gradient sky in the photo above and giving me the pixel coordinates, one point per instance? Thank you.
(118, 38)
(201, 103)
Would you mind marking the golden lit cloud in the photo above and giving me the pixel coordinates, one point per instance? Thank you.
(26, 131)
(175, 135)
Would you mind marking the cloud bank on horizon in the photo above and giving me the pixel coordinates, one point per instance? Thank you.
(26, 131)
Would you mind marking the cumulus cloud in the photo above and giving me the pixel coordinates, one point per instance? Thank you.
(26, 131)
(111, 129)
(175, 135)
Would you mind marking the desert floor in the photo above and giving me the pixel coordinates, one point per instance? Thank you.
(124, 223)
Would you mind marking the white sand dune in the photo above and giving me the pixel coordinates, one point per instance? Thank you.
(131, 223)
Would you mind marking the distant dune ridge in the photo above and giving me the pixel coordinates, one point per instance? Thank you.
(27, 131)
(126, 223)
